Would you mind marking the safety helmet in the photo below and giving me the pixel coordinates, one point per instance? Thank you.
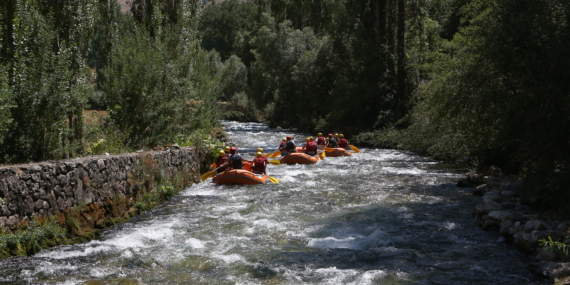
(320, 134)
(284, 139)
(312, 138)
(289, 138)
(327, 139)
(233, 150)
(341, 136)
(335, 135)
(221, 153)
(307, 139)
(259, 149)
(258, 154)
(227, 149)
(330, 135)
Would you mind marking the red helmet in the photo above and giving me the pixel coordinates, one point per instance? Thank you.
(289, 138)
(330, 135)
(233, 150)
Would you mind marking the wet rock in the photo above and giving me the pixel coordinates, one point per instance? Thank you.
(495, 214)
(508, 194)
(12, 220)
(491, 205)
(545, 269)
(505, 227)
(490, 224)
(480, 190)
(547, 255)
(494, 171)
(464, 183)
(560, 273)
(523, 245)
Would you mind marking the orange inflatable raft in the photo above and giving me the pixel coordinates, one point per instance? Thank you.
(338, 151)
(239, 177)
(300, 158)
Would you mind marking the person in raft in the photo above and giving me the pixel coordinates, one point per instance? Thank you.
(321, 141)
(234, 161)
(220, 160)
(310, 146)
(261, 150)
(227, 151)
(332, 141)
(259, 165)
(289, 146)
(282, 145)
(342, 142)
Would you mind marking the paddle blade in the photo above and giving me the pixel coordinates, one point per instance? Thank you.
(275, 154)
(273, 180)
(322, 155)
(329, 149)
(275, 162)
(213, 165)
(208, 175)
(267, 155)
(355, 149)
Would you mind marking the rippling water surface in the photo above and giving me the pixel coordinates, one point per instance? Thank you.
(378, 217)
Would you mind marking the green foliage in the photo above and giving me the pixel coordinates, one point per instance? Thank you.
(5, 105)
(221, 23)
(554, 246)
(30, 240)
(160, 87)
(44, 58)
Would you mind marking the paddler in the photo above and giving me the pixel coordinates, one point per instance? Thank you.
(227, 151)
(282, 145)
(289, 146)
(321, 141)
(342, 142)
(234, 161)
(332, 141)
(220, 160)
(310, 146)
(259, 164)
(261, 150)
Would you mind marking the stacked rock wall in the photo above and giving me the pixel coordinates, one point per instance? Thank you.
(46, 188)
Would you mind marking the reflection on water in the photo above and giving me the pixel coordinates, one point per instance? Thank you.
(378, 217)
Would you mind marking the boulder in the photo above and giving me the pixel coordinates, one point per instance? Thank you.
(480, 190)
(491, 205)
(545, 268)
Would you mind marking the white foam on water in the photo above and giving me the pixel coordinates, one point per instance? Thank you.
(377, 238)
(195, 243)
(449, 225)
(332, 275)
(267, 223)
(396, 170)
(230, 258)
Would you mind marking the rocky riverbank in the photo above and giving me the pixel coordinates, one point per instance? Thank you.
(82, 196)
(501, 210)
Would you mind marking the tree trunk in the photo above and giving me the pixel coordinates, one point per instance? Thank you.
(401, 76)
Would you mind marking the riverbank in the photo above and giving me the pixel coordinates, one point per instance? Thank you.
(60, 202)
(501, 210)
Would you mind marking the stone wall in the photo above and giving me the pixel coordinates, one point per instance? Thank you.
(52, 187)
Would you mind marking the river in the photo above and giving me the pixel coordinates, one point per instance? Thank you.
(377, 217)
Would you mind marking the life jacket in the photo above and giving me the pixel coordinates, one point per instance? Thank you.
(221, 160)
(321, 141)
(311, 146)
(291, 147)
(282, 145)
(343, 143)
(258, 163)
(237, 162)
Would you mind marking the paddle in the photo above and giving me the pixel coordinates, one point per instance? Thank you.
(273, 180)
(275, 154)
(322, 155)
(355, 149)
(275, 162)
(209, 174)
(213, 165)
(329, 149)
